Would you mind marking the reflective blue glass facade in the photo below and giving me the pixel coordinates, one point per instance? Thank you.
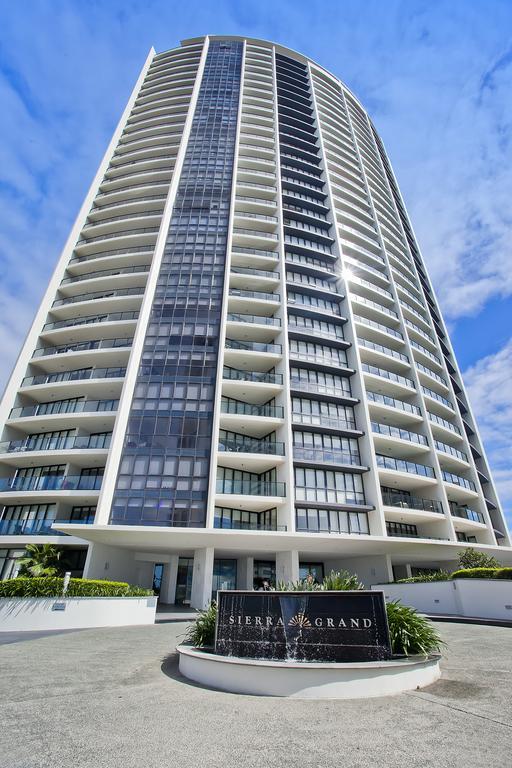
(163, 476)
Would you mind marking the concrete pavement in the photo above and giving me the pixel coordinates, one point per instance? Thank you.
(113, 698)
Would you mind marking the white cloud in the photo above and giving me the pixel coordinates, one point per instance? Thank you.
(489, 387)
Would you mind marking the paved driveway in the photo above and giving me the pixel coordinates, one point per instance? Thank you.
(113, 698)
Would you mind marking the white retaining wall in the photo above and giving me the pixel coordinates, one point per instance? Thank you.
(26, 614)
(477, 598)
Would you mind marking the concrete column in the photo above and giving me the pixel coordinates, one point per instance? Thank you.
(287, 566)
(112, 563)
(202, 578)
(168, 590)
(245, 573)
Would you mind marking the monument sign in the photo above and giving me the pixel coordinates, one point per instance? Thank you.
(303, 626)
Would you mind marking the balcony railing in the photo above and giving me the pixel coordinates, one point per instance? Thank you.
(233, 317)
(431, 373)
(403, 501)
(254, 346)
(55, 408)
(425, 351)
(449, 477)
(321, 389)
(251, 446)
(255, 272)
(96, 295)
(255, 252)
(259, 295)
(51, 483)
(106, 273)
(439, 398)
(85, 442)
(234, 374)
(250, 487)
(443, 423)
(315, 455)
(321, 420)
(385, 374)
(73, 322)
(466, 513)
(451, 450)
(401, 434)
(384, 350)
(33, 527)
(375, 397)
(378, 326)
(400, 465)
(77, 375)
(249, 409)
(82, 346)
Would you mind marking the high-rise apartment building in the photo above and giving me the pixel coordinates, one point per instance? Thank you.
(239, 371)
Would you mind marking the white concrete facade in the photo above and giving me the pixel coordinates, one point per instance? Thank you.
(470, 598)
(341, 434)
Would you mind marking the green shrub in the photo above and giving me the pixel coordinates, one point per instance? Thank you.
(471, 558)
(411, 633)
(341, 581)
(202, 631)
(425, 578)
(302, 585)
(52, 586)
(474, 573)
(336, 581)
(41, 560)
(503, 573)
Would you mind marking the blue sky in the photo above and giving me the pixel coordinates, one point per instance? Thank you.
(435, 76)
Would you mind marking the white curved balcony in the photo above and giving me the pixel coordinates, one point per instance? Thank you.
(374, 310)
(120, 222)
(134, 205)
(395, 472)
(163, 159)
(128, 192)
(438, 404)
(382, 356)
(104, 279)
(398, 442)
(378, 332)
(104, 353)
(403, 508)
(82, 451)
(250, 454)
(251, 355)
(127, 238)
(80, 490)
(451, 459)
(96, 383)
(249, 327)
(256, 496)
(387, 382)
(114, 260)
(57, 413)
(122, 300)
(249, 418)
(255, 221)
(252, 386)
(393, 410)
(260, 302)
(89, 327)
(135, 178)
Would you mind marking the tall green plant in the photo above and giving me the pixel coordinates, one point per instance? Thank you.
(41, 560)
(202, 632)
(341, 581)
(410, 633)
(472, 558)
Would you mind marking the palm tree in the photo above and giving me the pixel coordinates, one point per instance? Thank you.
(41, 560)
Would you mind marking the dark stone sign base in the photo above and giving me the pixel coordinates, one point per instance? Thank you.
(303, 626)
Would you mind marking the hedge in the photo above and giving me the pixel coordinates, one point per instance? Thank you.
(425, 578)
(482, 573)
(51, 586)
